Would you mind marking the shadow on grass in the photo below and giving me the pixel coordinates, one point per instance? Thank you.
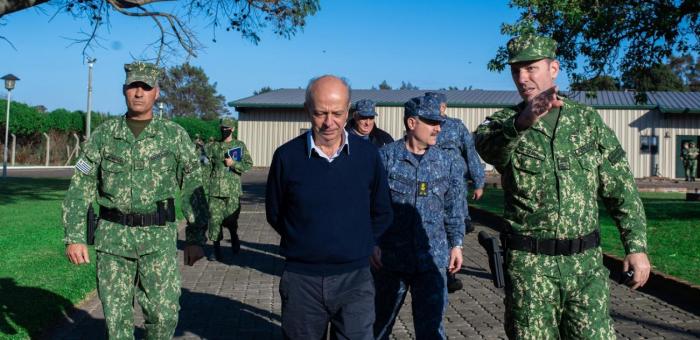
(31, 310)
(214, 317)
(18, 189)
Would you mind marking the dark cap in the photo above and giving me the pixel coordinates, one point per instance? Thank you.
(365, 108)
(424, 107)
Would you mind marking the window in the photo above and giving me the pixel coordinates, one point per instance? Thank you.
(649, 144)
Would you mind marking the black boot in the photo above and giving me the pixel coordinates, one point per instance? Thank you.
(453, 283)
(235, 244)
(215, 255)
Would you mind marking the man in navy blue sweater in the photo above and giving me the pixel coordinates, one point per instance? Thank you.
(328, 198)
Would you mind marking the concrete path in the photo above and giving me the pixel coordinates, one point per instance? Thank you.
(238, 299)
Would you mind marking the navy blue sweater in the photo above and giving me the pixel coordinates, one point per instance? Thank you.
(329, 215)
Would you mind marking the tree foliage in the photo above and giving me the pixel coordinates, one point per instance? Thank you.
(688, 70)
(26, 120)
(262, 90)
(185, 90)
(249, 18)
(610, 36)
(659, 77)
(597, 83)
(408, 86)
(384, 85)
(196, 126)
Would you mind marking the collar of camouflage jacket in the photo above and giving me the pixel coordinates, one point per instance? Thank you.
(123, 131)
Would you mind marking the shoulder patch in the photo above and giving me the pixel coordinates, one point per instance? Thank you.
(616, 155)
(83, 166)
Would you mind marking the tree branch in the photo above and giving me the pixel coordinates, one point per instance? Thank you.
(9, 6)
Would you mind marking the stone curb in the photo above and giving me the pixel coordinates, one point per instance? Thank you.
(672, 290)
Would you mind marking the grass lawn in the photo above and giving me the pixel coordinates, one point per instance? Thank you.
(37, 283)
(672, 231)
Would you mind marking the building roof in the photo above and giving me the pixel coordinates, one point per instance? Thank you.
(666, 102)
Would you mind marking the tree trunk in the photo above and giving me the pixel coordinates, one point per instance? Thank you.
(9, 6)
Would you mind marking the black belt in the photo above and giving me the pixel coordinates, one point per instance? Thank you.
(164, 213)
(552, 246)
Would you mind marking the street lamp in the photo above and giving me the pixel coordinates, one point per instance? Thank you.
(88, 118)
(160, 109)
(10, 80)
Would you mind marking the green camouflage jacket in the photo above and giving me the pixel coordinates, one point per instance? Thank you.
(222, 180)
(692, 154)
(553, 178)
(132, 174)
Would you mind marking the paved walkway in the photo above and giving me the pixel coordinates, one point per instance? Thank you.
(239, 299)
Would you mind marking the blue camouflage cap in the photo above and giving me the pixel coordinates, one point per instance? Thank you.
(365, 108)
(440, 97)
(426, 107)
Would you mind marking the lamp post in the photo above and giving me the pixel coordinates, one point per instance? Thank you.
(10, 80)
(160, 109)
(88, 118)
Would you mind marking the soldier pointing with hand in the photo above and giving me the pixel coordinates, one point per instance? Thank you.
(557, 158)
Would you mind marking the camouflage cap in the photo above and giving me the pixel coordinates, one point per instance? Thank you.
(365, 108)
(424, 107)
(227, 122)
(440, 97)
(144, 72)
(531, 48)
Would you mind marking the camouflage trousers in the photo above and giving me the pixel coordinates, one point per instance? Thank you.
(558, 307)
(223, 211)
(428, 301)
(154, 279)
(691, 169)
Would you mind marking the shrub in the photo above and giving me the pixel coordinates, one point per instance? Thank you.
(205, 128)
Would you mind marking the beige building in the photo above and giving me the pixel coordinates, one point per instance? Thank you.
(651, 133)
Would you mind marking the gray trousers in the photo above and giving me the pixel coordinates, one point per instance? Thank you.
(345, 300)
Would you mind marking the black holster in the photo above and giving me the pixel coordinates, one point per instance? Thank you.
(496, 258)
(92, 220)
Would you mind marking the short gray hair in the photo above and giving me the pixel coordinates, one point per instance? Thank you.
(312, 81)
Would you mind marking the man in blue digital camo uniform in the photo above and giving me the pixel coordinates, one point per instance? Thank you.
(456, 138)
(557, 158)
(428, 197)
(134, 166)
(364, 126)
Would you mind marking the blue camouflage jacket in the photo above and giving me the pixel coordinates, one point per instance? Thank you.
(456, 138)
(429, 203)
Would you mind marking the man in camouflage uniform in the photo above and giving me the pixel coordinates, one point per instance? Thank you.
(428, 197)
(364, 126)
(133, 166)
(455, 138)
(224, 186)
(684, 159)
(556, 158)
(692, 157)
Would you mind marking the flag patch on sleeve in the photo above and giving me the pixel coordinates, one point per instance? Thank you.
(83, 166)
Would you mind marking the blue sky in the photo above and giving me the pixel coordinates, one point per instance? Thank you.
(430, 44)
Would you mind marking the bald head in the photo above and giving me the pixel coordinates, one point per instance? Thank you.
(327, 85)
